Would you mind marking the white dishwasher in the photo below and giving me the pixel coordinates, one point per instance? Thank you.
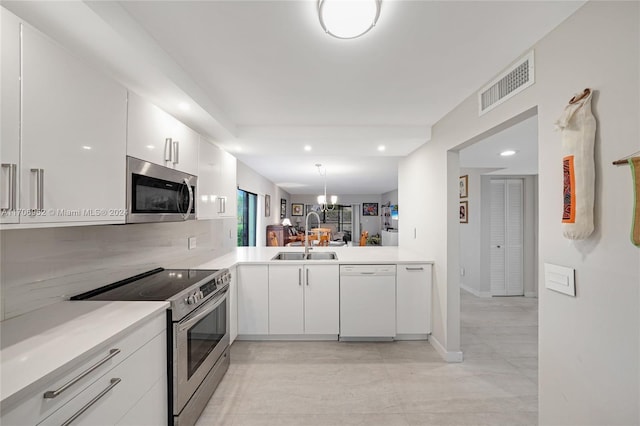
(367, 302)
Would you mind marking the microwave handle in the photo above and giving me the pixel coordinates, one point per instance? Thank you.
(188, 212)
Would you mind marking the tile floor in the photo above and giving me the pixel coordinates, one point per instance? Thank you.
(399, 383)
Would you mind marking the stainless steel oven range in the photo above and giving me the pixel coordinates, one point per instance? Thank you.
(198, 330)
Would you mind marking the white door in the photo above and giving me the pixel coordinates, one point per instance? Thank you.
(286, 299)
(10, 116)
(506, 237)
(73, 137)
(253, 299)
(322, 299)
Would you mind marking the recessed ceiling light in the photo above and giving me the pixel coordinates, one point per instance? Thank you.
(184, 106)
(150, 146)
(86, 147)
(381, 148)
(307, 147)
(508, 153)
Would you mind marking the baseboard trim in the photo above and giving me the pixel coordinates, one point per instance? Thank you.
(287, 337)
(530, 294)
(412, 336)
(366, 339)
(449, 356)
(475, 292)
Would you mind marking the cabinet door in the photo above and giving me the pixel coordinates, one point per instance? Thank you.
(322, 299)
(233, 305)
(253, 299)
(228, 184)
(149, 127)
(209, 170)
(185, 153)
(286, 299)
(9, 115)
(413, 291)
(73, 133)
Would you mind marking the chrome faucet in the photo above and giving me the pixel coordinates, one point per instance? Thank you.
(306, 231)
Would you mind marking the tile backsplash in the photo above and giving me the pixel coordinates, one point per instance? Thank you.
(44, 266)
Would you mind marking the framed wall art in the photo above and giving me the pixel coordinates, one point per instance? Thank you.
(283, 208)
(297, 209)
(267, 205)
(369, 209)
(464, 212)
(464, 186)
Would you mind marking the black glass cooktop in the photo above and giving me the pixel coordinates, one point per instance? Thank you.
(158, 284)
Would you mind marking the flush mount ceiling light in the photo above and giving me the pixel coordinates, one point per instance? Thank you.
(348, 18)
(508, 153)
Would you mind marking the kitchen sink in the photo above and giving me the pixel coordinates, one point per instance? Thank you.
(322, 255)
(295, 255)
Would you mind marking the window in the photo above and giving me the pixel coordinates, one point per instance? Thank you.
(247, 213)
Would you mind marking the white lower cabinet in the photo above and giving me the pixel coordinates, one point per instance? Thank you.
(127, 386)
(413, 298)
(253, 299)
(304, 299)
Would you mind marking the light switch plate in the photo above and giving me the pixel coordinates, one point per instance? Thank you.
(560, 279)
(192, 243)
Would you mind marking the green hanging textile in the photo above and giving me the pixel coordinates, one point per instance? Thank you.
(635, 226)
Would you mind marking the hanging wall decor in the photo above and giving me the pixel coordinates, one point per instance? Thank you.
(578, 126)
(634, 163)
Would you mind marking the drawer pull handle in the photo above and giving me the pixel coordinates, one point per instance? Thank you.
(55, 393)
(415, 269)
(73, 418)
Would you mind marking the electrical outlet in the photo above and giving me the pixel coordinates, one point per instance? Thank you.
(192, 243)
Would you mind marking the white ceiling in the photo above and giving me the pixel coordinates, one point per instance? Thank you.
(264, 80)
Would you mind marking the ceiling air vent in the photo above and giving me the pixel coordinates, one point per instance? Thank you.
(511, 82)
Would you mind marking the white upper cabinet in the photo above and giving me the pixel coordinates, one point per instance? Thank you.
(73, 133)
(157, 137)
(216, 182)
(9, 115)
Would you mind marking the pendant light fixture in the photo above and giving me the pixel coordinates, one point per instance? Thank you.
(348, 19)
(322, 199)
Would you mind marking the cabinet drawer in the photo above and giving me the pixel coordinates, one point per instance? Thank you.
(129, 381)
(36, 408)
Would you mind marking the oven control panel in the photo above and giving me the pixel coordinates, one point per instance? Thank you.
(208, 288)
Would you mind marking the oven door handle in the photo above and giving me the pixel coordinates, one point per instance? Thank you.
(188, 322)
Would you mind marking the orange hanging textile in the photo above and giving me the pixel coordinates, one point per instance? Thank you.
(578, 126)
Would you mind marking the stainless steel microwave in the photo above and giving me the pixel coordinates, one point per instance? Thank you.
(159, 194)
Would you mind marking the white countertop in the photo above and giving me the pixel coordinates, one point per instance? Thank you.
(346, 256)
(39, 343)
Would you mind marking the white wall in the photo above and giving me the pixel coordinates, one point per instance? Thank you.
(589, 346)
(251, 181)
(44, 266)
